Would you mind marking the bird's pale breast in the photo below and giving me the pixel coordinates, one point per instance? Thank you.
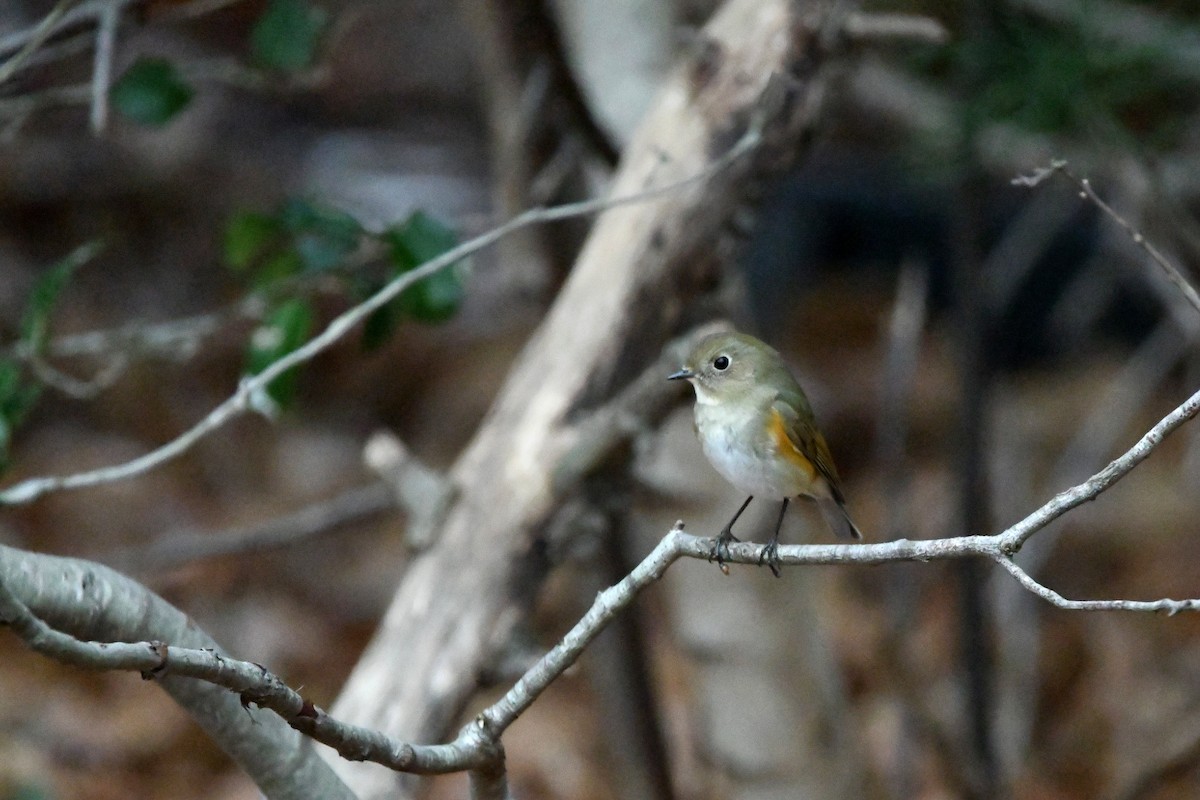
(746, 451)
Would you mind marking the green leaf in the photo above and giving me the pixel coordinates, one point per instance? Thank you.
(283, 264)
(5, 443)
(247, 238)
(35, 326)
(379, 327)
(322, 236)
(420, 239)
(285, 329)
(16, 401)
(10, 380)
(151, 92)
(287, 35)
(22, 401)
(17, 398)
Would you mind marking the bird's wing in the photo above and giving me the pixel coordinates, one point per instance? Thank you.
(800, 439)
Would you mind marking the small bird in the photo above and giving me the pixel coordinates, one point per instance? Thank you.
(756, 427)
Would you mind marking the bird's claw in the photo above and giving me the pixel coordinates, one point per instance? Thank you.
(769, 556)
(720, 548)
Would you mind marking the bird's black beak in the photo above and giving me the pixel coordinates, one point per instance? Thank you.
(683, 374)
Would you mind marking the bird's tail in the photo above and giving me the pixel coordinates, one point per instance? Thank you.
(838, 520)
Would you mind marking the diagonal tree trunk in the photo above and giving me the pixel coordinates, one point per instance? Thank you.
(631, 287)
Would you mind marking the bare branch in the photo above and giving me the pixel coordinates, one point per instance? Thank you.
(477, 745)
(106, 42)
(423, 493)
(51, 602)
(1171, 607)
(1088, 193)
(1016, 536)
(34, 39)
(79, 388)
(250, 387)
(312, 520)
(906, 28)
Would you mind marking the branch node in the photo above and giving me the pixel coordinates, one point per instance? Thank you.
(163, 651)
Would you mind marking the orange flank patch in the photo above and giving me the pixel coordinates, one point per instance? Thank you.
(788, 448)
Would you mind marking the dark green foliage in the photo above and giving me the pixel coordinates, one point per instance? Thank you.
(302, 239)
(322, 237)
(1067, 81)
(420, 239)
(151, 92)
(35, 325)
(248, 236)
(19, 392)
(288, 35)
(17, 399)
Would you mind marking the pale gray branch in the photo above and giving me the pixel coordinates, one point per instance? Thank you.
(905, 28)
(1088, 193)
(322, 517)
(1016, 536)
(51, 602)
(33, 39)
(106, 44)
(477, 745)
(1171, 607)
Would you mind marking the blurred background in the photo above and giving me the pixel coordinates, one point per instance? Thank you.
(239, 172)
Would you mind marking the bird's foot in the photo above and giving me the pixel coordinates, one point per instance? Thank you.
(769, 556)
(720, 548)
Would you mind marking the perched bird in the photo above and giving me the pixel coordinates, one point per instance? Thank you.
(756, 427)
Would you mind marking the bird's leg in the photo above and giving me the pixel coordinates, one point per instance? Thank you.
(720, 549)
(770, 552)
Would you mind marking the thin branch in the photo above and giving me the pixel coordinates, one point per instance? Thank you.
(476, 746)
(80, 14)
(423, 493)
(1171, 607)
(192, 10)
(34, 39)
(1016, 536)
(106, 43)
(79, 388)
(1088, 193)
(51, 601)
(313, 520)
(250, 388)
(908, 318)
(879, 28)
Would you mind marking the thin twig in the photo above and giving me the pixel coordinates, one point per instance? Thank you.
(36, 36)
(250, 388)
(876, 28)
(907, 323)
(312, 520)
(1088, 193)
(1171, 607)
(106, 43)
(80, 14)
(1016, 536)
(78, 388)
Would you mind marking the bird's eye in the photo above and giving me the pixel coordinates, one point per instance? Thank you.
(721, 363)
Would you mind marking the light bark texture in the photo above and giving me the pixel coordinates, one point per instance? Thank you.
(92, 602)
